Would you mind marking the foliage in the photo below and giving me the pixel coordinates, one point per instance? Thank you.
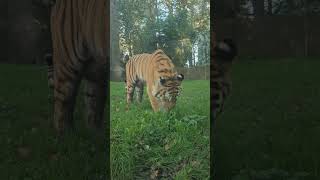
(297, 7)
(282, 7)
(168, 24)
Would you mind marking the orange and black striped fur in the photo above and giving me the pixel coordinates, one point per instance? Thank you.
(157, 71)
(223, 54)
(80, 51)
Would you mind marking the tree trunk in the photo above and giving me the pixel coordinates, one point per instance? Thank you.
(236, 7)
(306, 29)
(4, 30)
(156, 13)
(169, 6)
(291, 5)
(22, 32)
(270, 7)
(258, 7)
(115, 69)
(41, 13)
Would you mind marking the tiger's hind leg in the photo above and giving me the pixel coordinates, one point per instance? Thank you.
(95, 95)
(66, 84)
(139, 91)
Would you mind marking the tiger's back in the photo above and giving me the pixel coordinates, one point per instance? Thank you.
(137, 67)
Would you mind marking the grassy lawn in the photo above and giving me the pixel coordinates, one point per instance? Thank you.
(270, 129)
(271, 126)
(29, 149)
(145, 144)
(148, 145)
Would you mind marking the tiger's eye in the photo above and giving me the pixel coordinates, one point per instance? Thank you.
(162, 80)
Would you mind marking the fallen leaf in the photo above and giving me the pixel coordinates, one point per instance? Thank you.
(195, 163)
(54, 156)
(154, 173)
(166, 147)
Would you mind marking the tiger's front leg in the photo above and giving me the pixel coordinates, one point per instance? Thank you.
(139, 91)
(130, 91)
(153, 100)
(95, 99)
(66, 84)
(95, 96)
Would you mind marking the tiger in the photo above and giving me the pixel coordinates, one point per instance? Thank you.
(80, 45)
(158, 73)
(222, 55)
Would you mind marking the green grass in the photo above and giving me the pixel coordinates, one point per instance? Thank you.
(29, 148)
(143, 142)
(271, 125)
(148, 145)
(270, 129)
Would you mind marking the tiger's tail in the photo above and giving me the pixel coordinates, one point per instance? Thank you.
(49, 60)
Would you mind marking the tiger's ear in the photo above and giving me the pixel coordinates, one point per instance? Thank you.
(180, 77)
(162, 80)
(226, 50)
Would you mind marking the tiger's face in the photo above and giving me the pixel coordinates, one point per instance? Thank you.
(168, 90)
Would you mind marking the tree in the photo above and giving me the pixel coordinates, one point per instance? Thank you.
(172, 25)
(115, 69)
(4, 29)
(269, 7)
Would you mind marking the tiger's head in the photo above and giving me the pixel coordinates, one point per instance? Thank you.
(168, 90)
(167, 82)
(224, 54)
